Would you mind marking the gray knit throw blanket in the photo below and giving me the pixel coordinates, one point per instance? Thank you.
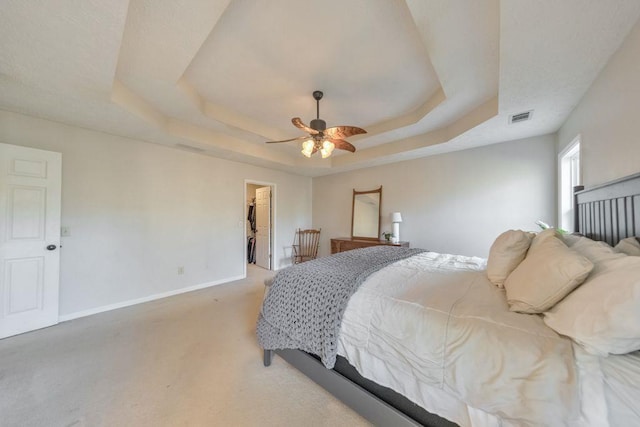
(305, 303)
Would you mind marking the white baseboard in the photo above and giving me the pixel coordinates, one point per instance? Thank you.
(91, 311)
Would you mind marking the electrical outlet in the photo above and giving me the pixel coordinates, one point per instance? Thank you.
(180, 270)
(65, 231)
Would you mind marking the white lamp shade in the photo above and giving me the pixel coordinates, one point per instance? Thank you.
(396, 217)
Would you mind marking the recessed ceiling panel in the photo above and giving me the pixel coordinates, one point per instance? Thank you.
(264, 59)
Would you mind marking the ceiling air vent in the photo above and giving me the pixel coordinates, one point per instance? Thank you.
(520, 117)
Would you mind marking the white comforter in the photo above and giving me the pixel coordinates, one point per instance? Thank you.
(433, 328)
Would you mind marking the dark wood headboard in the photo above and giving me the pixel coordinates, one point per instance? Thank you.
(609, 212)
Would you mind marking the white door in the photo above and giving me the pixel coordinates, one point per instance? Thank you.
(263, 226)
(30, 182)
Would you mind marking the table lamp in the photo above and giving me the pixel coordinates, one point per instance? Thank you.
(396, 219)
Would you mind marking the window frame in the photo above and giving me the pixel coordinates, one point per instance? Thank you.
(569, 175)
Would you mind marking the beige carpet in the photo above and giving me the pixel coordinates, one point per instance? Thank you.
(188, 360)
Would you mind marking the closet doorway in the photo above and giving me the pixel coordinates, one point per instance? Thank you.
(259, 232)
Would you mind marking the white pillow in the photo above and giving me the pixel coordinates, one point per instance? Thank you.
(629, 246)
(543, 235)
(604, 313)
(507, 251)
(570, 239)
(594, 251)
(549, 272)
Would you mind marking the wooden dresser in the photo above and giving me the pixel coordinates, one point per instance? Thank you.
(342, 244)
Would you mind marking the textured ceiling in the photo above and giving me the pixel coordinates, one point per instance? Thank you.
(224, 76)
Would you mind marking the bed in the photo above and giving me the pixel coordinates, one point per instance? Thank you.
(455, 352)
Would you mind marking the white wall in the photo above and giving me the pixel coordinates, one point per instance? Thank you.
(454, 203)
(607, 118)
(137, 211)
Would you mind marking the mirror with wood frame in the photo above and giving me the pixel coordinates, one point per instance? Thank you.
(365, 214)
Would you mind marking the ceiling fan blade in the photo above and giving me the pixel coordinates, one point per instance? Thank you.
(343, 145)
(300, 138)
(298, 123)
(340, 132)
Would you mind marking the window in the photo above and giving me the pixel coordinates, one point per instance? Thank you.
(569, 171)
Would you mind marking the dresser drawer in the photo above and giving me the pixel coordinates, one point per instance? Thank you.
(347, 244)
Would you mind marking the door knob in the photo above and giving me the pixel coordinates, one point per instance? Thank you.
(51, 247)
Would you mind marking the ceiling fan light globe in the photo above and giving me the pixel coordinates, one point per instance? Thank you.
(307, 153)
(308, 145)
(327, 148)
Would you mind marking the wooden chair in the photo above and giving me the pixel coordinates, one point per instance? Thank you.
(307, 245)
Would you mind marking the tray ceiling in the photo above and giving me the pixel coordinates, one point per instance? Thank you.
(422, 76)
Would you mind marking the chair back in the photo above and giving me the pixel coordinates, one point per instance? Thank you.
(306, 247)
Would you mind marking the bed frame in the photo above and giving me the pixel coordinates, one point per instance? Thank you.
(379, 405)
(609, 212)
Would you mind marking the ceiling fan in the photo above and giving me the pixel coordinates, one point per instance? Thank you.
(320, 138)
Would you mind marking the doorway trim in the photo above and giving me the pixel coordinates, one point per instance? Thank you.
(274, 258)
